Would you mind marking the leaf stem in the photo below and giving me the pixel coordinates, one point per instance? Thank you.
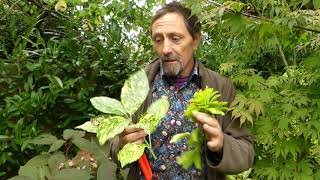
(150, 147)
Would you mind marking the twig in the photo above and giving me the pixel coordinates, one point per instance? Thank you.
(265, 19)
(283, 58)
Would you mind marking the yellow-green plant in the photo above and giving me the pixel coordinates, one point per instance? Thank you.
(204, 101)
(118, 116)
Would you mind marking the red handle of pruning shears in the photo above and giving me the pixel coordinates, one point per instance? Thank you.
(145, 167)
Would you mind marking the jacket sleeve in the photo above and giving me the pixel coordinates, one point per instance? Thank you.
(238, 151)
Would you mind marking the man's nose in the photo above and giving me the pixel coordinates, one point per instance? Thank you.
(167, 47)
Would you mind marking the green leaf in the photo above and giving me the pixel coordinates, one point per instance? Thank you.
(206, 101)
(82, 143)
(88, 126)
(29, 171)
(55, 161)
(130, 153)
(178, 137)
(215, 111)
(72, 134)
(56, 145)
(98, 119)
(44, 172)
(147, 122)
(113, 126)
(72, 174)
(197, 158)
(35, 173)
(283, 123)
(155, 112)
(44, 139)
(316, 4)
(101, 173)
(4, 137)
(101, 153)
(196, 137)
(40, 160)
(225, 68)
(256, 106)
(159, 108)
(20, 178)
(134, 91)
(58, 81)
(188, 158)
(108, 105)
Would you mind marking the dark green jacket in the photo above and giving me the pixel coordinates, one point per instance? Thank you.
(238, 152)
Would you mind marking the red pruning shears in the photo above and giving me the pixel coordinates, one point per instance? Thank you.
(145, 167)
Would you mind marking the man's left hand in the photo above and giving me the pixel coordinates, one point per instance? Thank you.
(212, 129)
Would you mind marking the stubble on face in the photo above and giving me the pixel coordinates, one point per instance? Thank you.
(171, 65)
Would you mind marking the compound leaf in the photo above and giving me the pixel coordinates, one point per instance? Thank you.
(108, 105)
(111, 127)
(88, 126)
(155, 112)
(130, 153)
(178, 137)
(134, 91)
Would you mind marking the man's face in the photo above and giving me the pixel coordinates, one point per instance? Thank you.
(174, 44)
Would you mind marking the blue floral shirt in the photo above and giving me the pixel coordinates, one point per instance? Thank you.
(174, 122)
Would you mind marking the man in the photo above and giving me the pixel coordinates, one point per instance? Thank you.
(178, 75)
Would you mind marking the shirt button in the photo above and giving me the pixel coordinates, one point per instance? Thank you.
(163, 167)
(178, 123)
(164, 133)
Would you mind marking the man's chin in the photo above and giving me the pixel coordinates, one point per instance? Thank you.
(172, 72)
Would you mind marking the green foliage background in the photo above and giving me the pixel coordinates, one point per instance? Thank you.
(53, 62)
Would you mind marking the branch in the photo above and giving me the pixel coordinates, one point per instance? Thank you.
(264, 19)
(283, 58)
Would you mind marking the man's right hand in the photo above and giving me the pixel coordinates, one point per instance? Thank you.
(132, 135)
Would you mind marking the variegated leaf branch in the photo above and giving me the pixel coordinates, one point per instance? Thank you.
(118, 116)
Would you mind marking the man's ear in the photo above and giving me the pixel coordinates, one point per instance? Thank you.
(196, 40)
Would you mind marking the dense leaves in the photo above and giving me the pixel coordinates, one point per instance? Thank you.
(266, 48)
(55, 165)
(55, 55)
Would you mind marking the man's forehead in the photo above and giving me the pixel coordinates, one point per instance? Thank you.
(169, 22)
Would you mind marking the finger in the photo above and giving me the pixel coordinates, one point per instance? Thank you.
(214, 145)
(131, 129)
(132, 137)
(204, 118)
(211, 131)
(139, 141)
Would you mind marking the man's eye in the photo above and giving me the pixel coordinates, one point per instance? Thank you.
(176, 38)
(157, 40)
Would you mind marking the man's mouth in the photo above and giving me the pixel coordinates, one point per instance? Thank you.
(170, 61)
